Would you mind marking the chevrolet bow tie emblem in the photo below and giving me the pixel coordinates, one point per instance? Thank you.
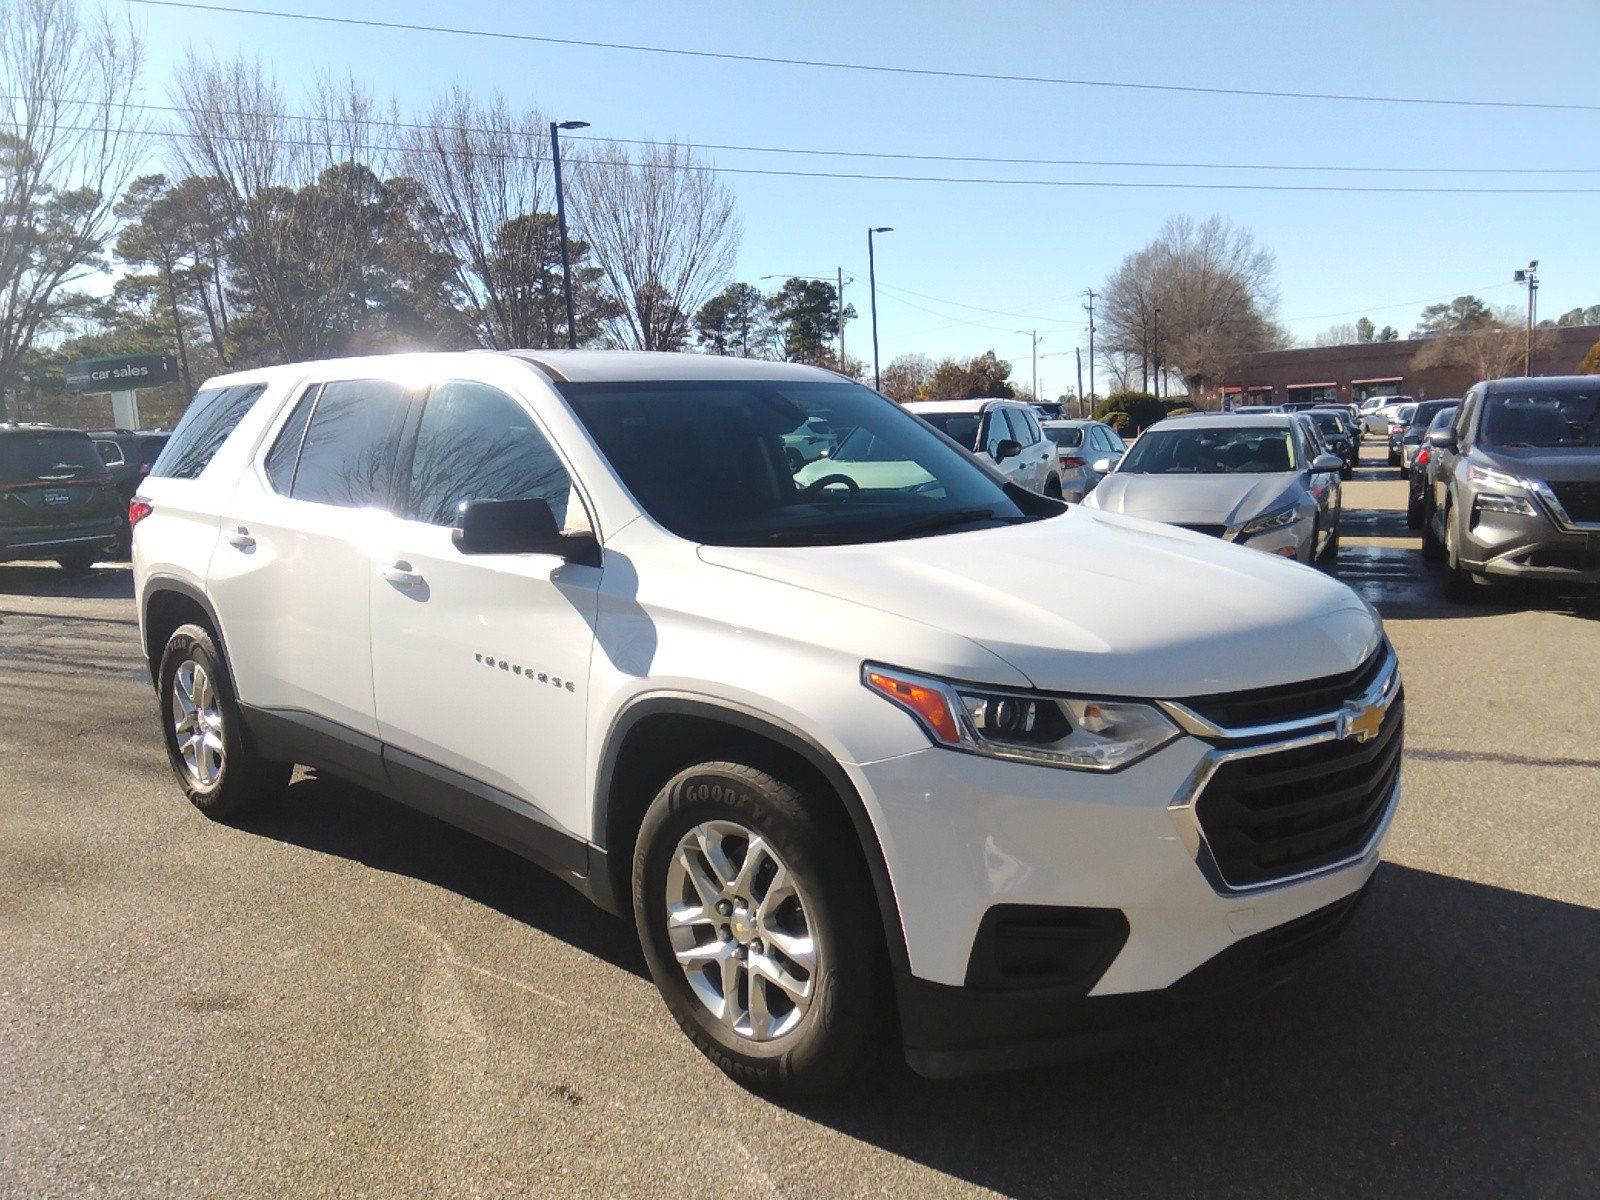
(1361, 723)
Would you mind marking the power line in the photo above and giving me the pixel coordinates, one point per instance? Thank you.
(998, 312)
(1102, 184)
(880, 68)
(1359, 312)
(991, 160)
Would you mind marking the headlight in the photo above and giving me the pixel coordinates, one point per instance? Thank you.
(1073, 732)
(1493, 478)
(1489, 502)
(1276, 519)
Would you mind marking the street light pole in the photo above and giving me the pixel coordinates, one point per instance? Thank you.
(1531, 278)
(561, 224)
(840, 296)
(1033, 336)
(1156, 346)
(872, 288)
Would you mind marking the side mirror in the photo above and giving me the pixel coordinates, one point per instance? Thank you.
(1444, 438)
(1323, 463)
(1103, 466)
(519, 527)
(1006, 448)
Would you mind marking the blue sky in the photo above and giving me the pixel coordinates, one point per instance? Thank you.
(1033, 250)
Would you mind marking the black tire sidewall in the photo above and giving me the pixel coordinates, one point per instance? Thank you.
(843, 1014)
(243, 777)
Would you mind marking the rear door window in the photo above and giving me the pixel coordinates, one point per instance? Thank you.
(211, 417)
(347, 458)
(285, 452)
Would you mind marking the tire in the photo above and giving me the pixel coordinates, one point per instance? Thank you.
(1415, 517)
(236, 781)
(1432, 547)
(812, 1045)
(77, 562)
(1052, 488)
(1330, 552)
(1459, 584)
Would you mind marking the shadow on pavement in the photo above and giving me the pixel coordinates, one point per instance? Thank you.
(330, 816)
(1448, 1046)
(111, 581)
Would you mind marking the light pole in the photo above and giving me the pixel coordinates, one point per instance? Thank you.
(561, 223)
(872, 288)
(1033, 335)
(1156, 340)
(1530, 276)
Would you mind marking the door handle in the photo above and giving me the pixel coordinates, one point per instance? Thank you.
(401, 573)
(239, 538)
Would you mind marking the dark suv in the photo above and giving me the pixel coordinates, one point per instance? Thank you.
(1516, 484)
(1405, 440)
(57, 499)
(128, 454)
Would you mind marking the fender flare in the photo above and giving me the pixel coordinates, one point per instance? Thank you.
(796, 741)
(156, 585)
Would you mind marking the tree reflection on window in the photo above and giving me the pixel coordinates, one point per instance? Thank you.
(476, 443)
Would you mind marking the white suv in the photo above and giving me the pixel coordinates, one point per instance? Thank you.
(936, 763)
(1006, 431)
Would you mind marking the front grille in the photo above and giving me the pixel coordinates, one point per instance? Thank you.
(1581, 499)
(1208, 530)
(1561, 558)
(1291, 811)
(1289, 701)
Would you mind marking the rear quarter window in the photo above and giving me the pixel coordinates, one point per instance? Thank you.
(211, 417)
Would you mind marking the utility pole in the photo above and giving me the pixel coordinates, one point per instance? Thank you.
(840, 295)
(872, 287)
(1089, 308)
(561, 222)
(1530, 277)
(1033, 335)
(1079, 352)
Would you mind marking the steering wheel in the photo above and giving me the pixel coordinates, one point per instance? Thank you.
(816, 485)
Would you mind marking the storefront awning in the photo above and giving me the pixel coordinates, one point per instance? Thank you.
(1384, 379)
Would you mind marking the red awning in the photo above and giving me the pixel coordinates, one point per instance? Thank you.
(1385, 379)
(1333, 383)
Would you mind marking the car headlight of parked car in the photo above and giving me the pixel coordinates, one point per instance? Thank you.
(1276, 519)
(1073, 732)
(1514, 500)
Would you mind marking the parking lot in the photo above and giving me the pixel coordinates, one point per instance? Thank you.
(348, 999)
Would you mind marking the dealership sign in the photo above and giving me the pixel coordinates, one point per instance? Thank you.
(122, 374)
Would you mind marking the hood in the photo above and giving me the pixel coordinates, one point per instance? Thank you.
(1093, 603)
(1566, 464)
(1192, 499)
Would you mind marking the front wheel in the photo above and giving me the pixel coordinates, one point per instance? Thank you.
(760, 928)
(206, 743)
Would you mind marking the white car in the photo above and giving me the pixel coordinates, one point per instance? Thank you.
(1081, 446)
(1007, 432)
(1263, 481)
(954, 770)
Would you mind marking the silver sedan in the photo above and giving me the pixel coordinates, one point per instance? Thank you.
(1258, 481)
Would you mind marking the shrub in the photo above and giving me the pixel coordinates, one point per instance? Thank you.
(1141, 409)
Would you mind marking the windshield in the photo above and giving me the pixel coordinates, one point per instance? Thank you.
(1424, 414)
(706, 460)
(1066, 435)
(1229, 451)
(1546, 419)
(957, 426)
(29, 459)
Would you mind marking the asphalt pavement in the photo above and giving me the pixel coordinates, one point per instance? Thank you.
(346, 999)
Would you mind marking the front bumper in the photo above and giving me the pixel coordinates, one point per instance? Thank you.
(1124, 862)
(1535, 548)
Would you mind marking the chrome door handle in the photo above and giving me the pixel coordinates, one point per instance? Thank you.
(239, 538)
(401, 573)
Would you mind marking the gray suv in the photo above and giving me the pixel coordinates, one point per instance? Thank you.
(1516, 485)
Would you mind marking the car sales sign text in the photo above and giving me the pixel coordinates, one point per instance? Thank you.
(122, 374)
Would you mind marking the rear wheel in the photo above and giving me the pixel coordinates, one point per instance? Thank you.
(217, 768)
(77, 562)
(760, 928)
(1052, 488)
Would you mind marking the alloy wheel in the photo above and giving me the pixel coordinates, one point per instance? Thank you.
(197, 722)
(738, 925)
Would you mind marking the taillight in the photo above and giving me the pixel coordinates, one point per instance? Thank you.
(1072, 460)
(138, 510)
(1422, 457)
(144, 469)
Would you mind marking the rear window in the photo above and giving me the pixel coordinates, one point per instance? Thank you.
(959, 427)
(29, 458)
(212, 416)
(1070, 435)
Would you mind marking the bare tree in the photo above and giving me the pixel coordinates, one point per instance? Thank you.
(483, 169)
(907, 377)
(1495, 349)
(1215, 288)
(1343, 334)
(298, 195)
(664, 234)
(69, 142)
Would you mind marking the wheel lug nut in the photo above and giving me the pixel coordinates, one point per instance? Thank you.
(724, 907)
(756, 947)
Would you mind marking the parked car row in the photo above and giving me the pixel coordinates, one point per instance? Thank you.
(58, 498)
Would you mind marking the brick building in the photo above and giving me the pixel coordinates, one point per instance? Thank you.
(1352, 373)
